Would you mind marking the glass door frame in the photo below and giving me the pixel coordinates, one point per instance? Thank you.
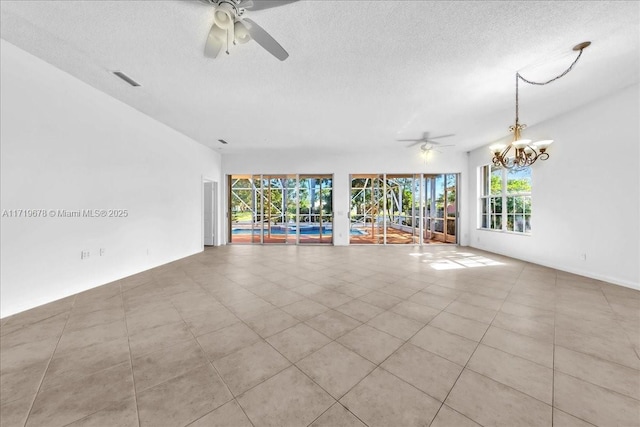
(419, 190)
(320, 215)
(430, 193)
(370, 207)
(261, 183)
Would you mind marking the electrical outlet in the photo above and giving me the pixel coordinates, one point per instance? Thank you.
(84, 254)
(102, 251)
(583, 257)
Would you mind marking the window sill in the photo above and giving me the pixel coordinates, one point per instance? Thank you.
(516, 233)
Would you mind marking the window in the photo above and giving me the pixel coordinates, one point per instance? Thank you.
(505, 199)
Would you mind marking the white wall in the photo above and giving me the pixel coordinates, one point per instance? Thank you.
(585, 197)
(66, 145)
(341, 165)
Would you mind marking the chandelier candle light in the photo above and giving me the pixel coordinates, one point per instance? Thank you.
(527, 152)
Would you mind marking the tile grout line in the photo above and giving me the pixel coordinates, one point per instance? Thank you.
(363, 378)
(463, 368)
(133, 376)
(336, 403)
(333, 340)
(600, 359)
(107, 368)
(35, 396)
(595, 357)
(44, 319)
(515, 355)
(615, 319)
(378, 366)
(553, 378)
(234, 398)
(478, 345)
(294, 364)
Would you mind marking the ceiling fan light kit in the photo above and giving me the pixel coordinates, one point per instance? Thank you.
(230, 27)
(241, 33)
(427, 144)
(224, 15)
(527, 152)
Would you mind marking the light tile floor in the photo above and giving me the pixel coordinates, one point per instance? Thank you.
(329, 336)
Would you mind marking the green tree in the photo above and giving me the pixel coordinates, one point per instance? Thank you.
(518, 186)
(496, 184)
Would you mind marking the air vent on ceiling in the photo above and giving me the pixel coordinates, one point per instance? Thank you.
(126, 78)
(223, 141)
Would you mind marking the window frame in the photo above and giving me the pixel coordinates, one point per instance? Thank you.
(493, 209)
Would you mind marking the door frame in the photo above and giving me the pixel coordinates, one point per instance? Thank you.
(419, 191)
(264, 176)
(214, 210)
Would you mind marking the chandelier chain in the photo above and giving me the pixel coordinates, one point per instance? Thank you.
(556, 77)
(531, 82)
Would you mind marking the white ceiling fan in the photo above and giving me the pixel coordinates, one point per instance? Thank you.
(231, 27)
(427, 143)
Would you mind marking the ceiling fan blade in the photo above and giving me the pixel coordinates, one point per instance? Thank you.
(443, 136)
(265, 40)
(215, 42)
(407, 140)
(439, 144)
(414, 144)
(263, 4)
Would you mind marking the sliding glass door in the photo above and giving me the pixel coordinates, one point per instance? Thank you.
(278, 196)
(284, 209)
(403, 209)
(367, 202)
(245, 209)
(316, 209)
(441, 208)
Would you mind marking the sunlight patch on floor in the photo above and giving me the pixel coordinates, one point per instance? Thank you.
(454, 260)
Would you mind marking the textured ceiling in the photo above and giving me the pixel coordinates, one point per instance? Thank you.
(360, 75)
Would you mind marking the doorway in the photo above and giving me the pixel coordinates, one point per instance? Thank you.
(209, 197)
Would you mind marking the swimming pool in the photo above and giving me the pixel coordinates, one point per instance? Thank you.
(304, 230)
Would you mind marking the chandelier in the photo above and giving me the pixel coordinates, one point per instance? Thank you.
(527, 152)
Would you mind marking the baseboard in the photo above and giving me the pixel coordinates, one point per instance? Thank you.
(605, 278)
